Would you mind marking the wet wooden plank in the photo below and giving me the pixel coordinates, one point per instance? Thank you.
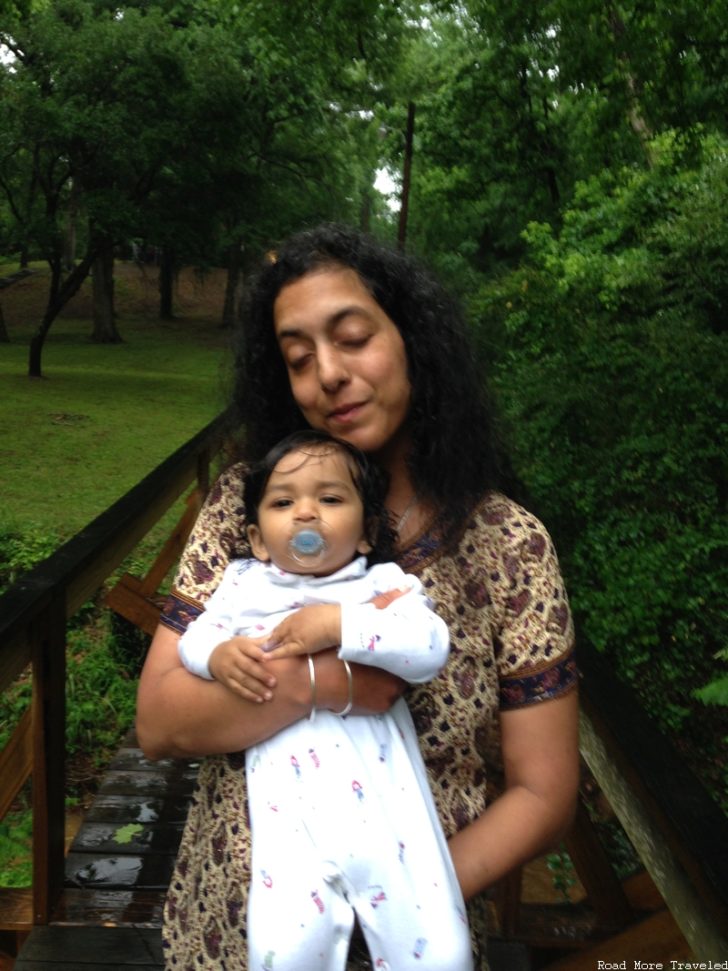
(119, 871)
(130, 756)
(139, 808)
(128, 838)
(145, 782)
(89, 948)
(110, 908)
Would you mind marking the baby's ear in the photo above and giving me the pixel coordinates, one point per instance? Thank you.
(256, 544)
(366, 543)
(364, 547)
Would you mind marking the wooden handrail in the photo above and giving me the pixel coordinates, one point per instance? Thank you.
(33, 616)
(676, 828)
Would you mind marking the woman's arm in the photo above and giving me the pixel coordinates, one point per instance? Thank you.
(541, 760)
(180, 715)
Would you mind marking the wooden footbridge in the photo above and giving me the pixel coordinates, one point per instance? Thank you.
(99, 906)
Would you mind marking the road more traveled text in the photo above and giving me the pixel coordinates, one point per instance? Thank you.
(662, 966)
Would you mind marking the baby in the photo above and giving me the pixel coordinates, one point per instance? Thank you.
(343, 822)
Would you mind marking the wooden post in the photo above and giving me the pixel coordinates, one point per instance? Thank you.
(48, 652)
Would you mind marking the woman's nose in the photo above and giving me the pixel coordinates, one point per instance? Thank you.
(332, 371)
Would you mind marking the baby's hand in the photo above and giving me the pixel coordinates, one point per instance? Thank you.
(309, 630)
(236, 664)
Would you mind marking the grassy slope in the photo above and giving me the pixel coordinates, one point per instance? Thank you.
(103, 415)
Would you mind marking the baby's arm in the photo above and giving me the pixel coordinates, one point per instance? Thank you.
(407, 638)
(211, 648)
(306, 631)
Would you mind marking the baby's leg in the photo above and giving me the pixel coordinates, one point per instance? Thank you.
(408, 937)
(297, 918)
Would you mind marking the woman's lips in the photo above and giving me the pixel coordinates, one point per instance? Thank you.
(346, 413)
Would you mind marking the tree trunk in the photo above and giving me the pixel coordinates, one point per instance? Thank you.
(635, 115)
(58, 296)
(404, 210)
(166, 285)
(234, 284)
(4, 336)
(69, 236)
(104, 331)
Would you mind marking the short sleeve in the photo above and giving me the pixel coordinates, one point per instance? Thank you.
(217, 537)
(534, 641)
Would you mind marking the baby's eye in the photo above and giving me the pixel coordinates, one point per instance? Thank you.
(280, 503)
(331, 500)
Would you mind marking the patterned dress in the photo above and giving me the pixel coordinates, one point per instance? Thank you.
(511, 645)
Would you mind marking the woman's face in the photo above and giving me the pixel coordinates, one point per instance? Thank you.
(346, 360)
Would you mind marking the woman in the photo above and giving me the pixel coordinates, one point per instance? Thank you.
(354, 339)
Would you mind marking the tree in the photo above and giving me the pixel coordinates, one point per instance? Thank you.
(611, 363)
(76, 117)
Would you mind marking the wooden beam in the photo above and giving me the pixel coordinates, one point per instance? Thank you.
(704, 935)
(48, 647)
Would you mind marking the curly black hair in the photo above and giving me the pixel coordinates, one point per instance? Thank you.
(370, 482)
(455, 455)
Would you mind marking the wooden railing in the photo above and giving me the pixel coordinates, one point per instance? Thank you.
(677, 830)
(33, 617)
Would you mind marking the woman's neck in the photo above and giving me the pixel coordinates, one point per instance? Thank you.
(410, 513)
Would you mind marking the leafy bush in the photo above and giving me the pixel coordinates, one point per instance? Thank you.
(16, 835)
(20, 550)
(610, 365)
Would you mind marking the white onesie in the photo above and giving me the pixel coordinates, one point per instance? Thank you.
(342, 818)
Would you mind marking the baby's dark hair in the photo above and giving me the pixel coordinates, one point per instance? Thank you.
(370, 482)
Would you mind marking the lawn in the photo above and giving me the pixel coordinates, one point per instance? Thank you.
(103, 416)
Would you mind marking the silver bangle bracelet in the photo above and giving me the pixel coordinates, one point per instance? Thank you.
(312, 680)
(350, 683)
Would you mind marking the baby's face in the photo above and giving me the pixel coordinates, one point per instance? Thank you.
(310, 489)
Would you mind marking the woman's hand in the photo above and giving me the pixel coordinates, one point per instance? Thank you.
(374, 690)
(180, 715)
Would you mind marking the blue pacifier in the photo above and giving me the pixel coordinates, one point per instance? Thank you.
(307, 546)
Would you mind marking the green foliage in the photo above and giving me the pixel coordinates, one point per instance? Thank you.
(611, 366)
(16, 836)
(562, 870)
(100, 698)
(19, 551)
(715, 693)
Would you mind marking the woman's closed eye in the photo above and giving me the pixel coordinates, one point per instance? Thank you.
(298, 363)
(354, 341)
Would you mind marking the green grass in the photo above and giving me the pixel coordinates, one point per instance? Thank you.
(103, 416)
